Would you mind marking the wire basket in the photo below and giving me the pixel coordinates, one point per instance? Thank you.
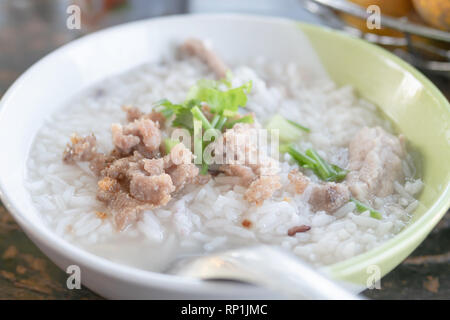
(425, 47)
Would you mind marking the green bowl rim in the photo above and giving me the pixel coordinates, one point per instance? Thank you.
(422, 226)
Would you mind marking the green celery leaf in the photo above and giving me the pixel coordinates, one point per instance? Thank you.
(183, 119)
(221, 102)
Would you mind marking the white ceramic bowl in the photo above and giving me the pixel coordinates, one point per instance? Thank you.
(77, 65)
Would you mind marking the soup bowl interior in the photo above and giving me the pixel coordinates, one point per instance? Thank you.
(417, 109)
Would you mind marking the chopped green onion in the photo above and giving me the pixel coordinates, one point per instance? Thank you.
(302, 159)
(244, 119)
(311, 160)
(284, 148)
(221, 123)
(328, 172)
(340, 173)
(169, 144)
(204, 169)
(198, 114)
(323, 168)
(215, 119)
(361, 207)
(198, 141)
(288, 132)
(223, 104)
(298, 125)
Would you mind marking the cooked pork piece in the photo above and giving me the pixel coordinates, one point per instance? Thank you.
(241, 148)
(147, 181)
(245, 173)
(375, 162)
(326, 196)
(85, 149)
(123, 142)
(178, 155)
(123, 168)
(262, 189)
(130, 184)
(125, 209)
(158, 118)
(134, 114)
(80, 149)
(142, 135)
(101, 161)
(256, 169)
(266, 166)
(154, 166)
(155, 190)
(148, 131)
(299, 181)
(198, 48)
(179, 166)
(183, 174)
(329, 196)
(240, 145)
(201, 179)
(108, 184)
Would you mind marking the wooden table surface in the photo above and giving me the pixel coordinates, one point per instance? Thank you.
(27, 32)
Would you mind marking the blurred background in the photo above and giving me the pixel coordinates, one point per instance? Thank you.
(415, 30)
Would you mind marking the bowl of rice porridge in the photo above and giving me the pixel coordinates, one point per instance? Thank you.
(187, 135)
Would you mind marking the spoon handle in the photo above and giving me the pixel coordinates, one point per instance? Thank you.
(268, 267)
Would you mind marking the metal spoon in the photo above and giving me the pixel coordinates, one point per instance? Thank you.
(264, 266)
